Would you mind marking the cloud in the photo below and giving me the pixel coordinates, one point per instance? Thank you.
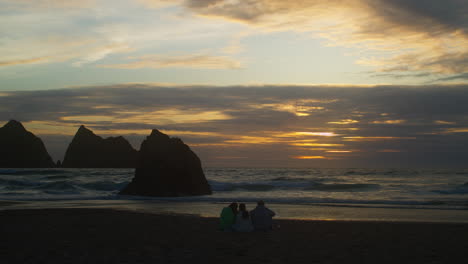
(200, 61)
(389, 122)
(405, 35)
(463, 76)
(309, 157)
(23, 61)
(47, 4)
(419, 14)
(441, 122)
(160, 3)
(41, 34)
(260, 121)
(99, 53)
(399, 38)
(83, 32)
(403, 75)
(55, 49)
(344, 122)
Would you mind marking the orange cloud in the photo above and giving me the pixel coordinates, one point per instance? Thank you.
(344, 122)
(192, 133)
(89, 118)
(201, 61)
(389, 122)
(23, 61)
(50, 127)
(253, 140)
(170, 116)
(316, 145)
(389, 150)
(456, 130)
(441, 122)
(160, 3)
(301, 108)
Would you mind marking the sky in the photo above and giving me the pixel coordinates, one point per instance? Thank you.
(300, 83)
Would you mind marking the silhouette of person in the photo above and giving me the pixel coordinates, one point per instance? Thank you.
(228, 217)
(243, 221)
(262, 217)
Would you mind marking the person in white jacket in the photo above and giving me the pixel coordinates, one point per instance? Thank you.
(262, 217)
(243, 221)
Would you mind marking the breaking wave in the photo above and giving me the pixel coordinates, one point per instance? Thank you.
(404, 187)
(355, 187)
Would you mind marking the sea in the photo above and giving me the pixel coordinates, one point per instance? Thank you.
(351, 194)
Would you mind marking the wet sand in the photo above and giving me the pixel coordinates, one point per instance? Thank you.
(111, 236)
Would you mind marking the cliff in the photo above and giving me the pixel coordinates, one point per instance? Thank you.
(167, 167)
(20, 148)
(88, 150)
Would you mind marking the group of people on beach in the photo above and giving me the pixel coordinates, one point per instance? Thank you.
(236, 218)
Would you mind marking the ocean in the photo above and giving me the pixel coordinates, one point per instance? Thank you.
(428, 195)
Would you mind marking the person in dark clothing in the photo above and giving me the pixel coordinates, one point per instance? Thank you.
(243, 221)
(262, 217)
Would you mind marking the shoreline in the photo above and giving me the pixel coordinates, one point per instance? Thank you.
(114, 236)
(318, 212)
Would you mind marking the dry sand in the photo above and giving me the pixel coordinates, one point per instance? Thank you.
(109, 236)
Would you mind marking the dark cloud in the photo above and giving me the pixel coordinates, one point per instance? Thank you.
(432, 16)
(373, 123)
(265, 104)
(247, 10)
(463, 76)
(439, 28)
(401, 76)
(202, 3)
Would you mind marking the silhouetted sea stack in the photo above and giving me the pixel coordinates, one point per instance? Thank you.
(167, 167)
(20, 148)
(88, 150)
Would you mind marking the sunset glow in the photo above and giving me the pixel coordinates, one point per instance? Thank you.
(316, 145)
(344, 122)
(309, 157)
(188, 131)
(321, 134)
(265, 79)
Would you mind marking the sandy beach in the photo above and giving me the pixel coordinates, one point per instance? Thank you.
(112, 236)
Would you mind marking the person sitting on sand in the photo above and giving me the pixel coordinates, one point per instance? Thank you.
(243, 222)
(228, 217)
(262, 217)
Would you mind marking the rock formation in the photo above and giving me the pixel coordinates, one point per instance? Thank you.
(167, 167)
(88, 150)
(20, 148)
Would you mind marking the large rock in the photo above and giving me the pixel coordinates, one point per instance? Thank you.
(88, 150)
(20, 148)
(167, 167)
